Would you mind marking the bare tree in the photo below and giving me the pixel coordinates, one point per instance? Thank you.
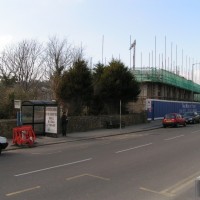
(24, 62)
(6, 73)
(59, 57)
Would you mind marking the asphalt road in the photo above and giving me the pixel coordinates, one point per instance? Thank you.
(160, 165)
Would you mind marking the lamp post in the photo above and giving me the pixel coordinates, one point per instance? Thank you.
(193, 79)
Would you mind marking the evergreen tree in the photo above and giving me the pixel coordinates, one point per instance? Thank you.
(76, 86)
(117, 83)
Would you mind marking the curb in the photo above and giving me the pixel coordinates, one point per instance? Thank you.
(79, 139)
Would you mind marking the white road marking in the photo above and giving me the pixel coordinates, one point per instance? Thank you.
(144, 145)
(196, 131)
(174, 137)
(46, 153)
(53, 167)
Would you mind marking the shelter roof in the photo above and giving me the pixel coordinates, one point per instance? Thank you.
(39, 103)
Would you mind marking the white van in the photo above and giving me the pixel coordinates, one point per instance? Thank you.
(3, 143)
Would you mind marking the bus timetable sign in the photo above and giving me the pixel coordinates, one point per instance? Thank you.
(17, 104)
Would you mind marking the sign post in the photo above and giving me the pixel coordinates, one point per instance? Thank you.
(17, 105)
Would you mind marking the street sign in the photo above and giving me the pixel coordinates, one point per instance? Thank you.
(17, 104)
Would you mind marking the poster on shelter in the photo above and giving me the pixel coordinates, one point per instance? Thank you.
(51, 120)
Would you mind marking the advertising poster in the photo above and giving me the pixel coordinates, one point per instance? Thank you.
(51, 120)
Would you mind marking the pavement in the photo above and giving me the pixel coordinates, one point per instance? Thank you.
(97, 133)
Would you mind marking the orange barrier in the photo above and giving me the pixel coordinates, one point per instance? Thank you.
(24, 135)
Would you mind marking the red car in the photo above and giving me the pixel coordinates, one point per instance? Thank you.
(173, 119)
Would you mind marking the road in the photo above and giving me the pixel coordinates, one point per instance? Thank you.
(159, 164)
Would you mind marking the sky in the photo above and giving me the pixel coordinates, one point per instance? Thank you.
(106, 28)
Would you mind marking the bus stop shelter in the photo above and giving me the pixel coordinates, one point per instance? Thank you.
(42, 115)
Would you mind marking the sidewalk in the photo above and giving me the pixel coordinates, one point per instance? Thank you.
(99, 133)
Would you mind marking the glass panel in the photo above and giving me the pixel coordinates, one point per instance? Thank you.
(39, 114)
(27, 114)
(39, 128)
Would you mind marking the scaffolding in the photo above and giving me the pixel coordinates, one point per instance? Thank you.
(165, 77)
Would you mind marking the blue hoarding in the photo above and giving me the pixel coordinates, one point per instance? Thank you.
(156, 109)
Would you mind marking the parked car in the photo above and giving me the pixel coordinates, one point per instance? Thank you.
(191, 117)
(198, 113)
(3, 143)
(173, 119)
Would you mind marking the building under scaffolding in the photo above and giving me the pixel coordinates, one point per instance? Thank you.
(163, 84)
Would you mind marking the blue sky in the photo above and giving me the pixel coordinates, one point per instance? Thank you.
(85, 22)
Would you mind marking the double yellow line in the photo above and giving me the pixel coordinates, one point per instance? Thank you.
(171, 191)
(68, 179)
(23, 191)
(90, 175)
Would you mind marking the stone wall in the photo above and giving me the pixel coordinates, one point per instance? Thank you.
(85, 123)
(6, 127)
(80, 123)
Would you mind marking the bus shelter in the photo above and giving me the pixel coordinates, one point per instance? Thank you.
(42, 116)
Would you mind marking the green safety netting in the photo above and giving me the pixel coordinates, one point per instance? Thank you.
(165, 77)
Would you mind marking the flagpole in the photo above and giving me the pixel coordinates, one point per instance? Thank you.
(130, 51)
(102, 48)
(155, 52)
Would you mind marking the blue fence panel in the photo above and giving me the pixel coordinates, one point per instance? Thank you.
(160, 107)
